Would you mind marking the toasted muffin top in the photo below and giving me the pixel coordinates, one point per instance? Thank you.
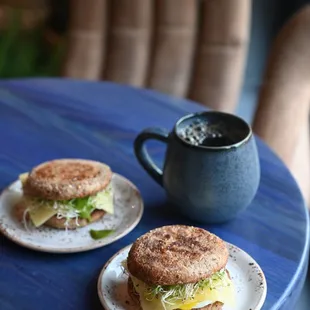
(65, 179)
(176, 254)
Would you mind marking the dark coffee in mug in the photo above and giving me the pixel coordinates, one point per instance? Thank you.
(211, 131)
(205, 134)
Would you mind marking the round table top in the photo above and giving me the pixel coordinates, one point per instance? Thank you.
(43, 119)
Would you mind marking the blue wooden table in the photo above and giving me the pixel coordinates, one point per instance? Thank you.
(42, 119)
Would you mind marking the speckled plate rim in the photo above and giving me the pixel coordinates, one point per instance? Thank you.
(258, 306)
(93, 246)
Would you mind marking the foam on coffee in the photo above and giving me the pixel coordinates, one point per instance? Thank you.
(201, 133)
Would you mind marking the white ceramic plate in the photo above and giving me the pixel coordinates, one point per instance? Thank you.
(128, 206)
(248, 278)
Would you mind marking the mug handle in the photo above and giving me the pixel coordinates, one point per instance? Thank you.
(142, 154)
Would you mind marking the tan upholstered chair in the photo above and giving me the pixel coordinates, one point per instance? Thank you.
(282, 117)
(187, 48)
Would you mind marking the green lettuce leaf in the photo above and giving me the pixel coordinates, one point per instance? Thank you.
(84, 206)
(99, 234)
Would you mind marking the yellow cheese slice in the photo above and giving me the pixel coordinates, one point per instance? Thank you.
(41, 214)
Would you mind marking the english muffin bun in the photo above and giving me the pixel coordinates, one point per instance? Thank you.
(65, 179)
(135, 297)
(176, 254)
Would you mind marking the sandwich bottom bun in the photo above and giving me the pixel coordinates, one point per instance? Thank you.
(135, 297)
(54, 222)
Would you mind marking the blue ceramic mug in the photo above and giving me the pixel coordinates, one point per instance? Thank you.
(211, 168)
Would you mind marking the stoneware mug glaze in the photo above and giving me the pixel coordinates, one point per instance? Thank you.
(209, 184)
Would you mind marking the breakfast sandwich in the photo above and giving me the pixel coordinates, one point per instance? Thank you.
(66, 193)
(179, 267)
